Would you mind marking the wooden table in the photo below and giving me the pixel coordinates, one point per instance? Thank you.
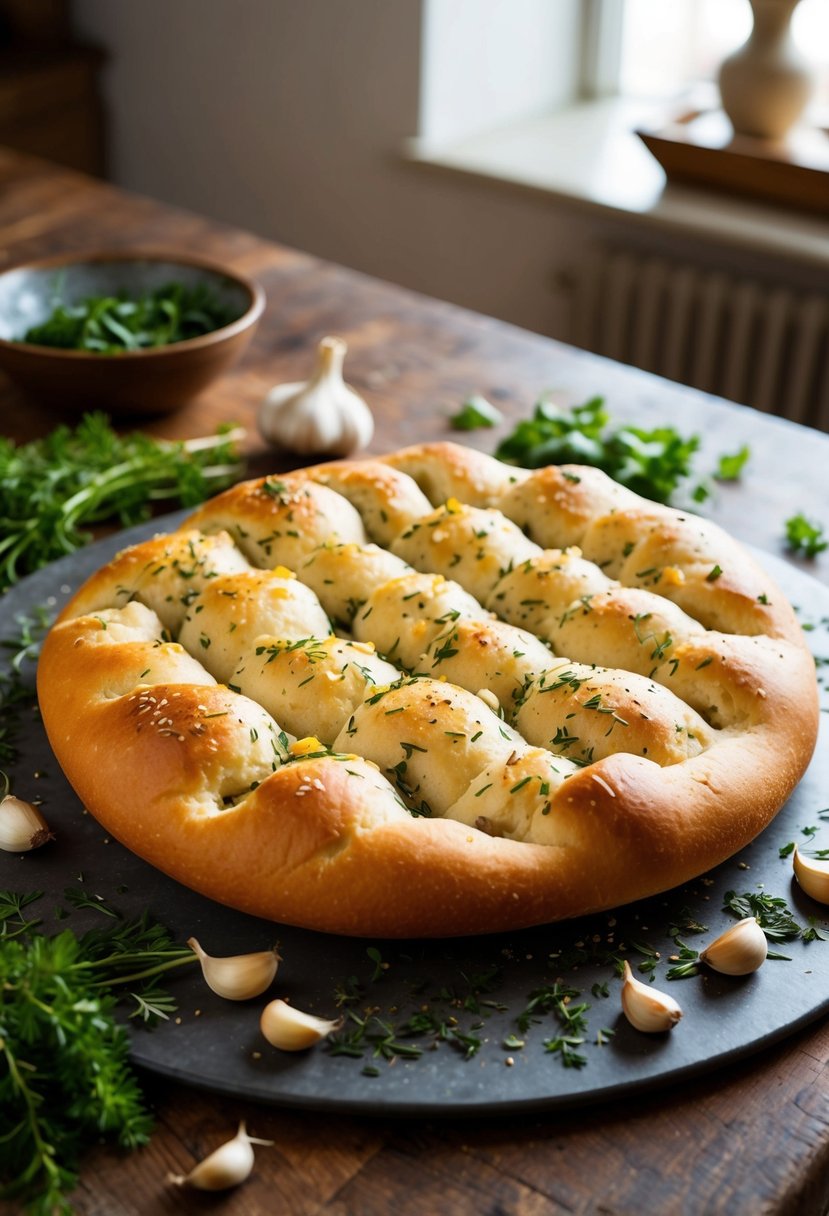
(751, 1139)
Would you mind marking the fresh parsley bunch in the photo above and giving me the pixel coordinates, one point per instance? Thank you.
(55, 487)
(651, 463)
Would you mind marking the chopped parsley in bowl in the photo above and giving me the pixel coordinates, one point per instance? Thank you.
(127, 333)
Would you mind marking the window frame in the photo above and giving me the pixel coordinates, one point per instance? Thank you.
(601, 49)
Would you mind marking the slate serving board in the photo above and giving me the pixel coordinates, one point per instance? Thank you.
(216, 1045)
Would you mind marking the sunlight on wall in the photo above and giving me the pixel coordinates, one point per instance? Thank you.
(667, 47)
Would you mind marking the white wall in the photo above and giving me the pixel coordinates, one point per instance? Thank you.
(287, 117)
(487, 63)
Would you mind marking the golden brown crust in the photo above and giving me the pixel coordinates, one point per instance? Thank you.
(476, 778)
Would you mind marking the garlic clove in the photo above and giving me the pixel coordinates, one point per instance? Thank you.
(226, 1166)
(238, 977)
(22, 827)
(290, 1029)
(738, 951)
(489, 699)
(813, 876)
(645, 1008)
(321, 416)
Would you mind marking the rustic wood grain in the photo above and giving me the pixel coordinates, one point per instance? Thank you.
(750, 1140)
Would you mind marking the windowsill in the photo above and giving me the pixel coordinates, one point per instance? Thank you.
(589, 155)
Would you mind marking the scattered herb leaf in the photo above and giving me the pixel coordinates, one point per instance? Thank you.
(730, 467)
(475, 413)
(773, 914)
(805, 537)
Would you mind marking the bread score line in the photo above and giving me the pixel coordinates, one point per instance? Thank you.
(543, 696)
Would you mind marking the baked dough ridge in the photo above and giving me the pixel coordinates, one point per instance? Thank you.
(209, 785)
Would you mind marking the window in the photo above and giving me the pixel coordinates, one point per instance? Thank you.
(666, 48)
(487, 64)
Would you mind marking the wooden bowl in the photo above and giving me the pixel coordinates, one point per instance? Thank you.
(156, 380)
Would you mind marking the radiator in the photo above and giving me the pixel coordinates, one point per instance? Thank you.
(761, 343)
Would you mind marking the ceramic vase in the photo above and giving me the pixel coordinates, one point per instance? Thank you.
(766, 84)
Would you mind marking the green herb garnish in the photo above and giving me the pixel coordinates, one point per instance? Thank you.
(476, 412)
(729, 468)
(557, 999)
(805, 537)
(650, 462)
(773, 914)
(54, 487)
(110, 325)
(65, 1080)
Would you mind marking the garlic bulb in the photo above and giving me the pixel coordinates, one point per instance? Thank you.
(320, 416)
(738, 951)
(645, 1008)
(226, 1166)
(22, 827)
(291, 1030)
(240, 976)
(813, 876)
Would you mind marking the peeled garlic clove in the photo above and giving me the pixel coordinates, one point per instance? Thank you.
(645, 1008)
(290, 1029)
(240, 976)
(321, 416)
(813, 876)
(22, 827)
(489, 699)
(738, 951)
(226, 1166)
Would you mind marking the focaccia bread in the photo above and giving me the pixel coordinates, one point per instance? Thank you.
(431, 695)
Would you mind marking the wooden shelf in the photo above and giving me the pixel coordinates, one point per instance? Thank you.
(700, 147)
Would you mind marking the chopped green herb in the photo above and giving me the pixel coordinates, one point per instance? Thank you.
(109, 325)
(476, 412)
(773, 914)
(379, 966)
(804, 536)
(730, 467)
